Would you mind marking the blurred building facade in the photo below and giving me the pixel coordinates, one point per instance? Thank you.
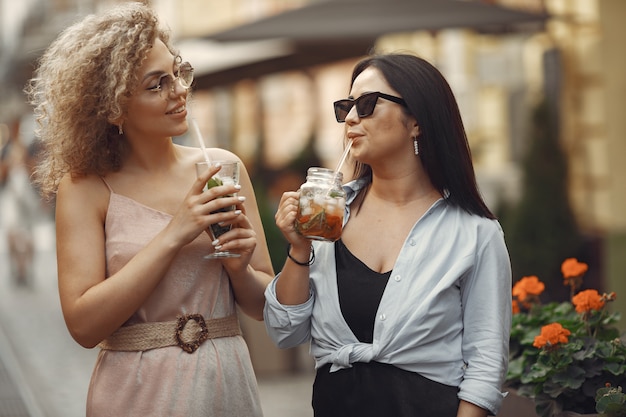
(273, 118)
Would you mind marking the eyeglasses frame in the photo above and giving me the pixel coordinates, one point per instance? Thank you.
(355, 102)
(186, 85)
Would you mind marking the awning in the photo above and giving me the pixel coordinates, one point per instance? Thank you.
(341, 19)
(218, 64)
(330, 30)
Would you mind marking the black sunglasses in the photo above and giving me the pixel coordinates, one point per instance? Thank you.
(364, 105)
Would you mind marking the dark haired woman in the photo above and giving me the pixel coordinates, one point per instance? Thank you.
(408, 314)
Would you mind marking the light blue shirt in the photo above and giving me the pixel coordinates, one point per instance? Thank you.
(445, 312)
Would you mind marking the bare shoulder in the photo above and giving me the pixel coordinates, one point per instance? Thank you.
(220, 154)
(83, 192)
(196, 155)
(84, 184)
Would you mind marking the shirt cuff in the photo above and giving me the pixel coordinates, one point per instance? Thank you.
(279, 315)
(482, 395)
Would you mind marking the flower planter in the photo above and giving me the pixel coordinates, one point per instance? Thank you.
(515, 405)
(573, 414)
(566, 352)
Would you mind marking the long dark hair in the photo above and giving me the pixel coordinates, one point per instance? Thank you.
(443, 146)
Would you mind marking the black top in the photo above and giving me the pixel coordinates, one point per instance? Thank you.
(373, 389)
(360, 291)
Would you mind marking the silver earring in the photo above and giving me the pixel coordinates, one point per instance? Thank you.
(415, 146)
(119, 129)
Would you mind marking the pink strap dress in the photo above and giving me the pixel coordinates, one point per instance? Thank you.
(217, 379)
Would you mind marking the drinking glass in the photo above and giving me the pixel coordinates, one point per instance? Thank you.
(227, 175)
(321, 206)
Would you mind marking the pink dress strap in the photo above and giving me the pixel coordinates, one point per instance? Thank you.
(107, 184)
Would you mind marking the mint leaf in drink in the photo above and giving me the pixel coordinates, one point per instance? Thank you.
(213, 182)
(317, 219)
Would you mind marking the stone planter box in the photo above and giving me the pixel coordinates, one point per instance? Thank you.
(517, 406)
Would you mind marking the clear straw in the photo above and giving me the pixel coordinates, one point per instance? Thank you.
(343, 158)
(198, 135)
(340, 164)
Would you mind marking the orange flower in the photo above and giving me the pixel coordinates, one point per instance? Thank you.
(551, 335)
(588, 300)
(571, 268)
(516, 308)
(528, 286)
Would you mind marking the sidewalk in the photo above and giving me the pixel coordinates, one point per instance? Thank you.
(44, 373)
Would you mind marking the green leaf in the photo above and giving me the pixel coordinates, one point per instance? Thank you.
(553, 389)
(615, 368)
(516, 368)
(592, 366)
(611, 402)
(318, 218)
(546, 406)
(213, 182)
(573, 377)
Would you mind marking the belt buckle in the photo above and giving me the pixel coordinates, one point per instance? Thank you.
(201, 335)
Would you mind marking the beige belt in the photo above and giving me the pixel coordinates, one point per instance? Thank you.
(188, 332)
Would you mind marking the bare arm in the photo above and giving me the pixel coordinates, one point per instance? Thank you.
(292, 287)
(251, 273)
(470, 410)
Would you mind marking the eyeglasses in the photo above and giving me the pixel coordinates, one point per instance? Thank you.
(167, 83)
(364, 105)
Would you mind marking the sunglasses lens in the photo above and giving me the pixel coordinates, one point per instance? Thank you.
(342, 108)
(365, 104)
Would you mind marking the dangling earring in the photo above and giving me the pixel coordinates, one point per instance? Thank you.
(415, 146)
(119, 129)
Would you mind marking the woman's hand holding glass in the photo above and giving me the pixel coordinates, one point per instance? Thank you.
(201, 208)
(285, 218)
(224, 182)
(191, 217)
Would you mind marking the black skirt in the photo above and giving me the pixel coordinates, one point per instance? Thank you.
(380, 390)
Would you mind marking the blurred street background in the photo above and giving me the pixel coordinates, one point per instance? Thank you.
(541, 85)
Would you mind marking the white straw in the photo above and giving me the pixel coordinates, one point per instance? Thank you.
(343, 158)
(340, 164)
(198, 135)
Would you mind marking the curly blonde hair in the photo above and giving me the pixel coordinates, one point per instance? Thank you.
(81, 88)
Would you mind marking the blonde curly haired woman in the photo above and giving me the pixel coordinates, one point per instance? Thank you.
(110, 93)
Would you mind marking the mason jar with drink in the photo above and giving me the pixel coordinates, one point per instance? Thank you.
(321, 206)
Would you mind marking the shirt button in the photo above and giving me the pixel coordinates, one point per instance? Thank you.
(397, 278)
(383, 317)
(412, 242)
